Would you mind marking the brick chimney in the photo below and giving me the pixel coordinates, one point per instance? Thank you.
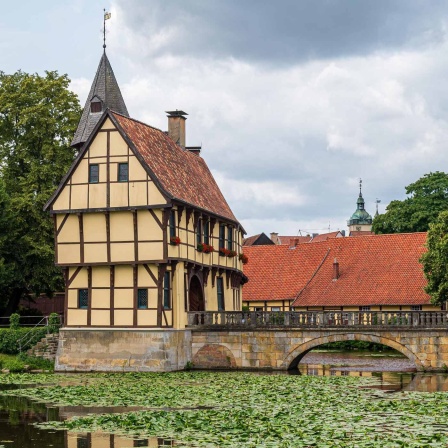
(274, 237)
(176, 126)
(335, 269)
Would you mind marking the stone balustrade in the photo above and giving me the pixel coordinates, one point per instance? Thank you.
(316, 319)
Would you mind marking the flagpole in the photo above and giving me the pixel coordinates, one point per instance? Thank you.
(104, 30)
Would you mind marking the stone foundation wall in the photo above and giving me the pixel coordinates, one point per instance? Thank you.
(282, 349)
(122, 350)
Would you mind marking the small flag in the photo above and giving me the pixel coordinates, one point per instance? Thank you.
(107, 15)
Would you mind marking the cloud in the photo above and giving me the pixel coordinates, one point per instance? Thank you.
(289, 141)
(285, 31)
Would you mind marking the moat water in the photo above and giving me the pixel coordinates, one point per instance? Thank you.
(18, 415)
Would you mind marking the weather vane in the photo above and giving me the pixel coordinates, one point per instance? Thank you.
(107, 16)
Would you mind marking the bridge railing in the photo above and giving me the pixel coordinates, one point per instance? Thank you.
(320, 319)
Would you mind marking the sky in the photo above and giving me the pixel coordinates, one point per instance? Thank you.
(293, 101)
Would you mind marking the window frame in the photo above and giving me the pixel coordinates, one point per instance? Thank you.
(141, 306)
(365, 308)
(206, 231)
(119, 174)
(416, 308)
(91, 178)
(229, 237)
(100, 109)
(81, 291)
(222, 236)
(220, 294)
(172, 223)
(199, 232)
(167, 305)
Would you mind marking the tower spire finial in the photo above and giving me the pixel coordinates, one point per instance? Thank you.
(360, 186)
(107, 16)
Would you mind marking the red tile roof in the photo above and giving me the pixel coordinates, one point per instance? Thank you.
(287, 239)
(182, 174)
(374, 270)
(325, 236)
(361, 233)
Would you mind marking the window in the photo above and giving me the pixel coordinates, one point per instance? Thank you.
(82, 443)
(122, 172)
(222, 236)
(275, 308)
(83, 298)
(167, 291)
(94, 173)
(172, 223)
(364, 308)
(95, 107)
(258, 308)
(416, 308)
(229, 238)
(220, 290)
(206, 232)
(142, 298)
(199, 232)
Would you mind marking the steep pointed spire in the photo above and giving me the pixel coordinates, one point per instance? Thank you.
(103, 94)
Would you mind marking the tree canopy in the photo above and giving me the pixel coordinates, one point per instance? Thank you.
(435, 260)
(428, 196)
(38, 117)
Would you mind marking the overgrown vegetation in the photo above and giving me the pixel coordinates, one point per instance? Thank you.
(11, 340)
(240, 409)
(354, 345)
(23, 363)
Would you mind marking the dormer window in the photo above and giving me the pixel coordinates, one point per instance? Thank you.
(95, 107)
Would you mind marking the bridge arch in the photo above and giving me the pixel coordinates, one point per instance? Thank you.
(294, 357)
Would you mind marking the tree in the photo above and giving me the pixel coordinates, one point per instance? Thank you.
(428, 196)
(435, 260)
(38, 117)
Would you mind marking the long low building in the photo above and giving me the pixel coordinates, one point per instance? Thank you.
(373, 272)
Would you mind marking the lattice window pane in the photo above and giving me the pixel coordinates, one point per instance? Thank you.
(83, 298)
(142, 298)
(122, 172)
(94, 173)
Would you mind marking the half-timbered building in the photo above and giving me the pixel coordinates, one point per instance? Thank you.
(143, 234)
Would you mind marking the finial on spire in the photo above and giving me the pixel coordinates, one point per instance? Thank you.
(107, 16)
(360, 185)
(377, 202)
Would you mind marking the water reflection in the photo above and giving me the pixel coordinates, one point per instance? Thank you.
(391, 370)
(18, 414)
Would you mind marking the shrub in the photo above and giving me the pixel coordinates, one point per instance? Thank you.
(35, 363)
(14, 321)
(27, 337)
(54, 323)
(14, 365)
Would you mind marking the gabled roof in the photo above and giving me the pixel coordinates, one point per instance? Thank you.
(104, 88)
(374, 270)
(260, 239)
(178, 173)
(326, 236)
(284, 239)
(181, 174)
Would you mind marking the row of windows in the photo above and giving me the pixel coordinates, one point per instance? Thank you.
(142, 295)
(94, 173)
(203, 232)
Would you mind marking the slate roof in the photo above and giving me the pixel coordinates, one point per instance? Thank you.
(374, 270)
(180, 173)
(260, 239)
(105, 88)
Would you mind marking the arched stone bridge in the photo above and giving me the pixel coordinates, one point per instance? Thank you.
(279, 340)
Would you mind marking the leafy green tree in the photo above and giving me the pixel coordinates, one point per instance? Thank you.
(428, 196)
(435, 260)
(38, 117)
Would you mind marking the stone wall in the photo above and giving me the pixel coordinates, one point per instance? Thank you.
(123, 350)
(282, 350)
